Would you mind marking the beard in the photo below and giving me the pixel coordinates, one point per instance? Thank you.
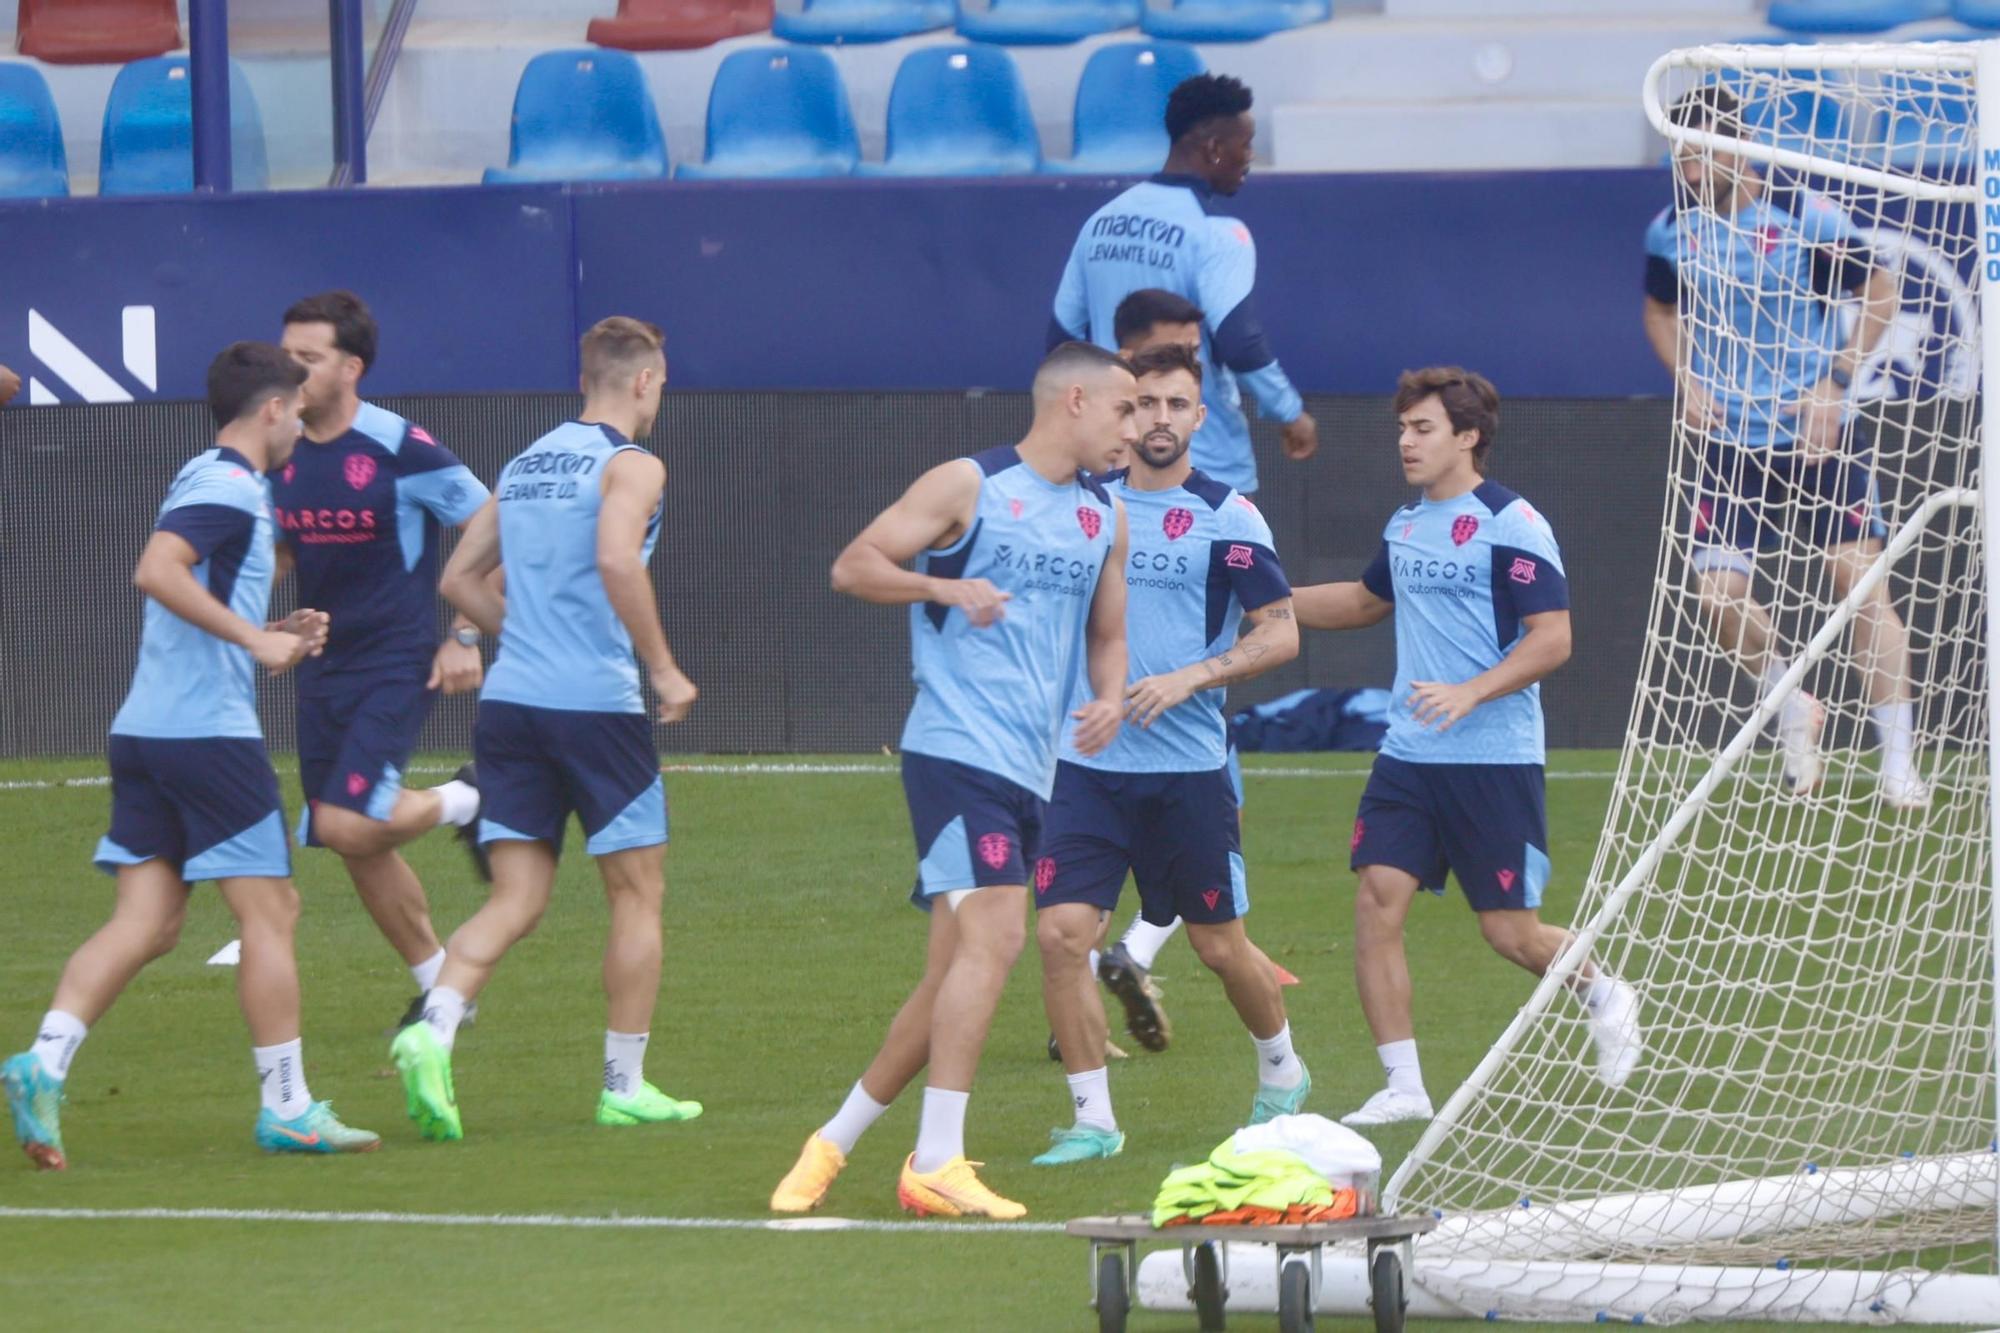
(1161, 451)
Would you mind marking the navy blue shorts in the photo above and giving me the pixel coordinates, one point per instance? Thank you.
(537, 766)
(974, 829)
(1743, 495)
(354, 746)
(1179, 834)
(208, 807)
(1485, 823)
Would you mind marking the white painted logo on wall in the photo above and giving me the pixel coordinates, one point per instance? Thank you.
(84, 379)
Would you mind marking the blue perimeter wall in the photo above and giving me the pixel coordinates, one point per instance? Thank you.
(1533, 278)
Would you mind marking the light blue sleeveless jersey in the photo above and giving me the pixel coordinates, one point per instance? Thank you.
(994, 698)
(562, 646)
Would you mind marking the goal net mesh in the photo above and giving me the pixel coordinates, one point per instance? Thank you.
(1816, 971)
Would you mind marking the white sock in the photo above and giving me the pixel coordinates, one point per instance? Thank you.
(1091, 1091)
(941, 1128)
(1277, 1064)
(1598, 990)
(56, 1042)
(1094, 957)
(426, 972)
(1895, 727)
(1788, 711)
(1399, 1061)
(624, 1062)
(1144, 940)
(281, 1075)
(444, 1010)
(852, 1120)
(458, 802)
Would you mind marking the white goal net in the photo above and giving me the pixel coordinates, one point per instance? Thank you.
(1811, 1131)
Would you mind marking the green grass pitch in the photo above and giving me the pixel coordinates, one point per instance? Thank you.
(789, 945)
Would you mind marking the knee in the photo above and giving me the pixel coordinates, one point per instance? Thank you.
(165, 934)
(1218, 949)
(275, 910)
(999, 941)
(344, 832)
(1065, 938)
(1509, 943)
(1374, 910)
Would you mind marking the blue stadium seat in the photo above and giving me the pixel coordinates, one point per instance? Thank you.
(1851, 15)
(1229, 20)
(777, 111)
(1121, 107)
(1043, 22)
(32, 163)
(582, 116)
(959, 111)
(833, 21)
(1977, 13)
(1927, 128)
(148, 141)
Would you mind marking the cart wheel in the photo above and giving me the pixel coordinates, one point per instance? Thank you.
(1114, 1299)
(1295, 1307)
(1208, 1292)
(1385, 1285)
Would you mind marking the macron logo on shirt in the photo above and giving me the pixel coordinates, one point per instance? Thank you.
(1238, 557)
(1522, 571)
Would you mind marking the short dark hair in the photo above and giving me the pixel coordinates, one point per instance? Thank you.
(1203, 98)
(1149, 307)
(1075, 358)
(354, 330)
(1165, 360)
(243, 375)
(618, 342)
(1469, 399)
(1710, 107)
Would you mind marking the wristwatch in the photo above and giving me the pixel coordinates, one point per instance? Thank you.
(1840, 377)
(467, 636)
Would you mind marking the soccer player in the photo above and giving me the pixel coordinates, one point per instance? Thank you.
(1008, 595)
(1482, 614)
(1162, 234)
(193, 795)
(1767, 385)
(1158, 801)
(562, 727)
(360, 507)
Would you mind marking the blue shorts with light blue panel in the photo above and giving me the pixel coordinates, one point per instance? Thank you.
(537, 766)
(207, 806)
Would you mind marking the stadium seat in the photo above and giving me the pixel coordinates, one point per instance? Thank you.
(678, 25)
(959, 111)
(832, 21)
(1977, 13)
(96, 32)
(148, 141)
(1043, 22)
(777, 111)
(582, 115)
(32, 163)
(1229, 20)
(1927, 128)
(1121, 107)
(1851, 15)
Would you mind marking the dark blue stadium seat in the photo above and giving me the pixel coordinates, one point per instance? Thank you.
(777, 111)
(1926, 128)
(1977, 13)
(32, 163)
(1229, 20)
(1043, 22)
(148, 141)
(583, 115)
(1851, 15)
(1121, 106)
(959, 111)
(830, 21)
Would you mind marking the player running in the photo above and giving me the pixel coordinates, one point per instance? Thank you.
(1767, 384)
(1482, 616)
(562, 727)
(1006, 600)
(360, 507)
(1158, 801)
(193, 796)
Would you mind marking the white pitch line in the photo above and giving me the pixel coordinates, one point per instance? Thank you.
(561, 1221)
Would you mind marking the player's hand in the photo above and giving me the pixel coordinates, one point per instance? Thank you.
(677, 693)
(1434, 702)
(1300, 438)
(10, 384)
(1818, 417)
(1698, 410)
(278, 650)
(982, 603)
(1096, 725)
(456, 669)
(1147, 699)
(313, 626)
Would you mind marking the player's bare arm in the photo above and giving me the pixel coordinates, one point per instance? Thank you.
(1271, 641)
(471, 580)
(457, 667)
(932, 514)
(1664, 333)
(1104, 642)
(1821, 410)
(1338, 606)
(633, 484)
(165, 573)
(1544, 647)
